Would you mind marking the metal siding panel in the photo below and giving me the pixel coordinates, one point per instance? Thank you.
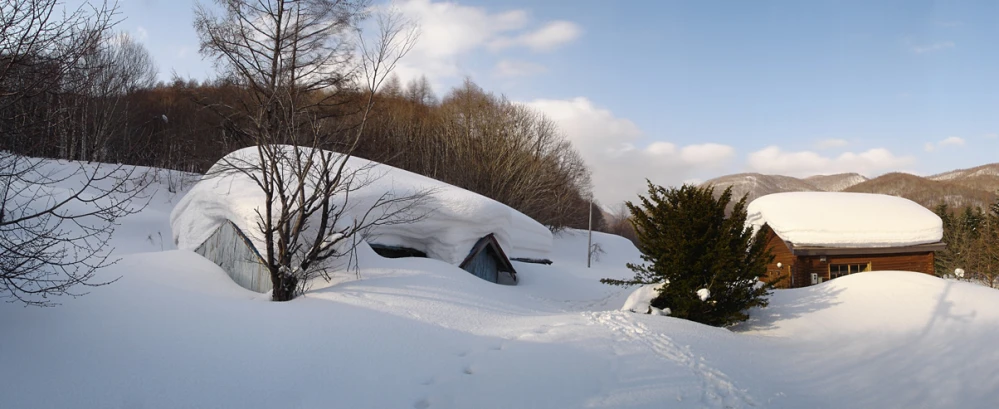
(227, 248)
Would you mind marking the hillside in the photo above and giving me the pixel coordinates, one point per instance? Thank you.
(976, 186)
(926, 192)
(835, 183)
(756, 185)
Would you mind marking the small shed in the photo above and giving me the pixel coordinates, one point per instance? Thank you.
(487, 261)
(820, 236)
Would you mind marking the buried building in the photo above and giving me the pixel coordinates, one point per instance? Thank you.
(218, 219)
(819, 236)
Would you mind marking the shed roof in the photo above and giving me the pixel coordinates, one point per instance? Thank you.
(846, 220)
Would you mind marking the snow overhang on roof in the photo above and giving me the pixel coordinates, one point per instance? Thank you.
(845, 220)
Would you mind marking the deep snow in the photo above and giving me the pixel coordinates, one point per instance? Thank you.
(176, 332)
(447, 222)
(840, 219)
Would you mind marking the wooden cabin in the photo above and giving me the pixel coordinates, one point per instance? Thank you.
(821, 236)
(802, 266)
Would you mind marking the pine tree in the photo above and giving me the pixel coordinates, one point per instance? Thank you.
(687, 241)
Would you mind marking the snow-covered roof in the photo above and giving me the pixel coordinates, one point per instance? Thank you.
(453, 218)
(851, 220)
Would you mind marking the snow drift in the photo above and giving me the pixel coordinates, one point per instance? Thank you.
(835, 219)
(450, 221)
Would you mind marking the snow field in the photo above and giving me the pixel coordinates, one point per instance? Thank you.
(175, 332)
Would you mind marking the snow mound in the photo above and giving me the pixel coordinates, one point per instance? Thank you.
(836, 219)
(451, 219)
(878, 302)
(640, 300)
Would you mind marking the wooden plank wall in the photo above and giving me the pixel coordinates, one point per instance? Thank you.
(783, 256)
(797, 270)
(917, 262)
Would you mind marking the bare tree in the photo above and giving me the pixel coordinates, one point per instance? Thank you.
(297, 62)
(55, 219)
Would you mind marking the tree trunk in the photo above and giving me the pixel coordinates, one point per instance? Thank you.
(284, 286)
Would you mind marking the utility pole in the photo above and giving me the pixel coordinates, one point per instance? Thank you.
(589, 235)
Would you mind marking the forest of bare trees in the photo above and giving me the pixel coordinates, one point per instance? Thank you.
(104, 106)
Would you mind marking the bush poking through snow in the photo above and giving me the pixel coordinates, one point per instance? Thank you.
(687, 241)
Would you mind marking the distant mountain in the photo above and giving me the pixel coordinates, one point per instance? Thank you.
(925, 191)
(985, 177)
(991, 169)
(835, 183)
(976, 186)
(757, 185)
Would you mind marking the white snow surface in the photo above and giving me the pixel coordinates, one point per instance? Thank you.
(839, 219)
(175, 332)
(451, 219)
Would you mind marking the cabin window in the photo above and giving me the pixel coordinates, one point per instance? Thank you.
(839, 270)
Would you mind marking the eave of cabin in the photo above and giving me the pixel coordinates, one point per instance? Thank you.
(843, 251)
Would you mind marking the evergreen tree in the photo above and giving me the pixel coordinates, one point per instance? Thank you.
(687, 242)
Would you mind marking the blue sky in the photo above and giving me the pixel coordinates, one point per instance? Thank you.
(680, 91)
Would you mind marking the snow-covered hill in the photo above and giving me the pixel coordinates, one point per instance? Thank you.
(756, 185)
(175, 332)
(835, 183)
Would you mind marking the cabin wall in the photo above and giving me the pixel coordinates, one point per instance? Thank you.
(228, 248)
(916, 262)
(782, 255)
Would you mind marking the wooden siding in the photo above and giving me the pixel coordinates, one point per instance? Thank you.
(797, 270)
(229, 248)
(782, 254)
(916, 262)
(487, 261)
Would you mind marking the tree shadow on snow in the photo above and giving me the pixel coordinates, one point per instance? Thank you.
(784, 306)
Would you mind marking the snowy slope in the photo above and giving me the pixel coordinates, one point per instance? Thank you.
(835, 183)
(991, 169)
(756, 185)
(175, 332)
(839, 219)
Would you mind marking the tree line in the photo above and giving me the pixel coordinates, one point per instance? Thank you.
(105, 106)
(972, 238)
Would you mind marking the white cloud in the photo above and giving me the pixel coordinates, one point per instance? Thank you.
(952, 141)
(831, 143)
(991, 135)
(932, 47)
(806, 163)
(450, 32)
(546, 38)
(948, 141)
(608, 145)
(141, 34)
(511, 68)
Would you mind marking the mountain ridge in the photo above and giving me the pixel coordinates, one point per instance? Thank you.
(977, 186)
